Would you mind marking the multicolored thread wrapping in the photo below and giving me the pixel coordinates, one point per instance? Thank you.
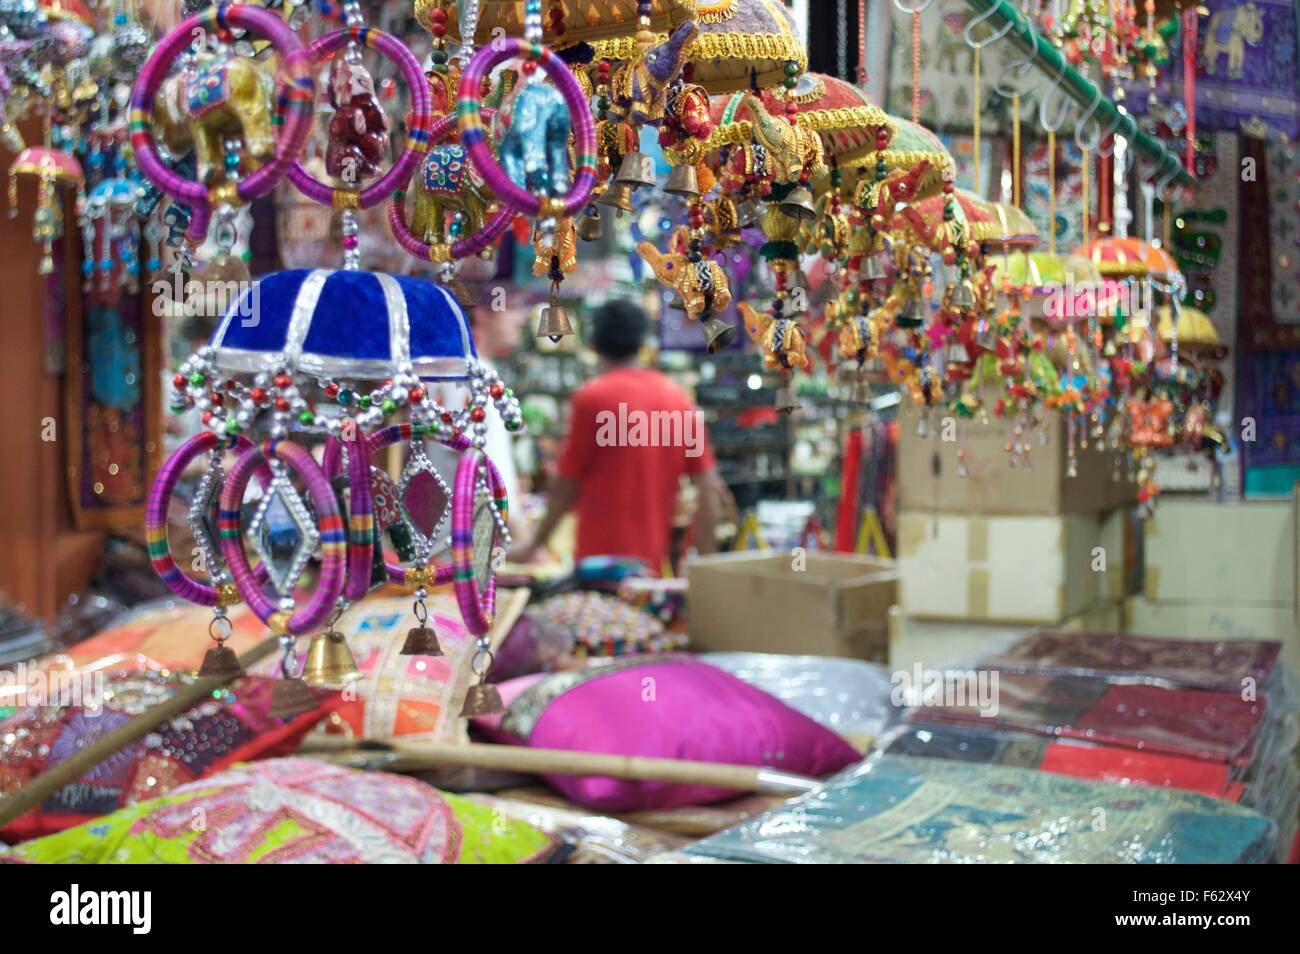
(474, 137)
(160, 495)
(329, 523)
(418, 121)
(296, 96)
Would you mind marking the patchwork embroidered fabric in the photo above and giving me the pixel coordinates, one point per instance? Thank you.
(296, 811)
(905, 810)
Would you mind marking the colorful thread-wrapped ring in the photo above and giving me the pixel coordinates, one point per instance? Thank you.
(329, 526)
(473, 134)
(418, 121)
(296, 98)
(160, 496)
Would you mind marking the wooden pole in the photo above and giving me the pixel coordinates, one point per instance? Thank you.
(420, 756)
(47, 783)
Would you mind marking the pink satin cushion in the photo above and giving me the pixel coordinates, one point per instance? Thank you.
(681, 710)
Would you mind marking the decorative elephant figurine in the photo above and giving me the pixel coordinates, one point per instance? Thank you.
(883, 197)
(793, 152)
(639, 88)
(1230, 30)
(781, 340)
(702, 285)
(447, 183)
(856, 338)
(225, 98)
(535, 149)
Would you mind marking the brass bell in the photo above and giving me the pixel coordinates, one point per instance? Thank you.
(421, 641)
(482, 699)
(329, 662)
(986, 338)
(873, 268)
(684, 182)
(291, 697)
(799, 204)
(619, 196)
(910, 315)
(637, 170)
(860, 392)
(676, 303)
(554, 323)
(955, 353)
(589, 227)
(963, 296)
(786, 402)
(717, 334)
(220, 662)
(747, 213)
(460, 291)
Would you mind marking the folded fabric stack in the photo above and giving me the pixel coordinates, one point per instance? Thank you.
(1208, 717)
(900, 809)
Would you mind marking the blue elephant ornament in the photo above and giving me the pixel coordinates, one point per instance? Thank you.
(535, 149)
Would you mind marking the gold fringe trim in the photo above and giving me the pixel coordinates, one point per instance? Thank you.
(716, 46)
(844, 118)
(715, 12)
(506, 14)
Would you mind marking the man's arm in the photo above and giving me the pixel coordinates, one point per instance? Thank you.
(559, 501)
(706, 510)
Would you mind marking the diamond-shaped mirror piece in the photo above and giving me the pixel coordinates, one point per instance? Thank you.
(426, 498)
(283, 534)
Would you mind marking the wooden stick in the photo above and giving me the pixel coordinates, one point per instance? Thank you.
(47, 783)
(421, 756)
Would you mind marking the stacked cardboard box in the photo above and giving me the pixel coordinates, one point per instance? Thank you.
(1005, 549)
(793, 601)
(1220, 571)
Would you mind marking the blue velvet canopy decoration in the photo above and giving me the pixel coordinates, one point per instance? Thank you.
(348, 324)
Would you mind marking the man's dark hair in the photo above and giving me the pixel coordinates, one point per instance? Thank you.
(618, 328)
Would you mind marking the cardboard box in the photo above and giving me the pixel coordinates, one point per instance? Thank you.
(821, 604)
(1123, 541)
(939, 643)
(1216, 621)
(1201, 551)
(1014, 569)
(992, 485)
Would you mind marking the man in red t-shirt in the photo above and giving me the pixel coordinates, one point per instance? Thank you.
(633, 434)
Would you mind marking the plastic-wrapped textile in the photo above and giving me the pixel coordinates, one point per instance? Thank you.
(848, 696)
(900, 809)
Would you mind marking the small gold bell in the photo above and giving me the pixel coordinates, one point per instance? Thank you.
(786, 402)
(589, 227)
(482, 699)
(873, 268)
(860, 392)
(220, 662)
(421, 641)
(963, 296)
(799, 204)
(554, 323)
(329, 662)
(683, 181)
(618, 196)
(637, 170)
(718, 334)
(676, 303)
(291, 697)
(910, 315)
(747, 213)
(955, 353)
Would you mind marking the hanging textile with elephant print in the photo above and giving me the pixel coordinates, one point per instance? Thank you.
(1248, 70)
